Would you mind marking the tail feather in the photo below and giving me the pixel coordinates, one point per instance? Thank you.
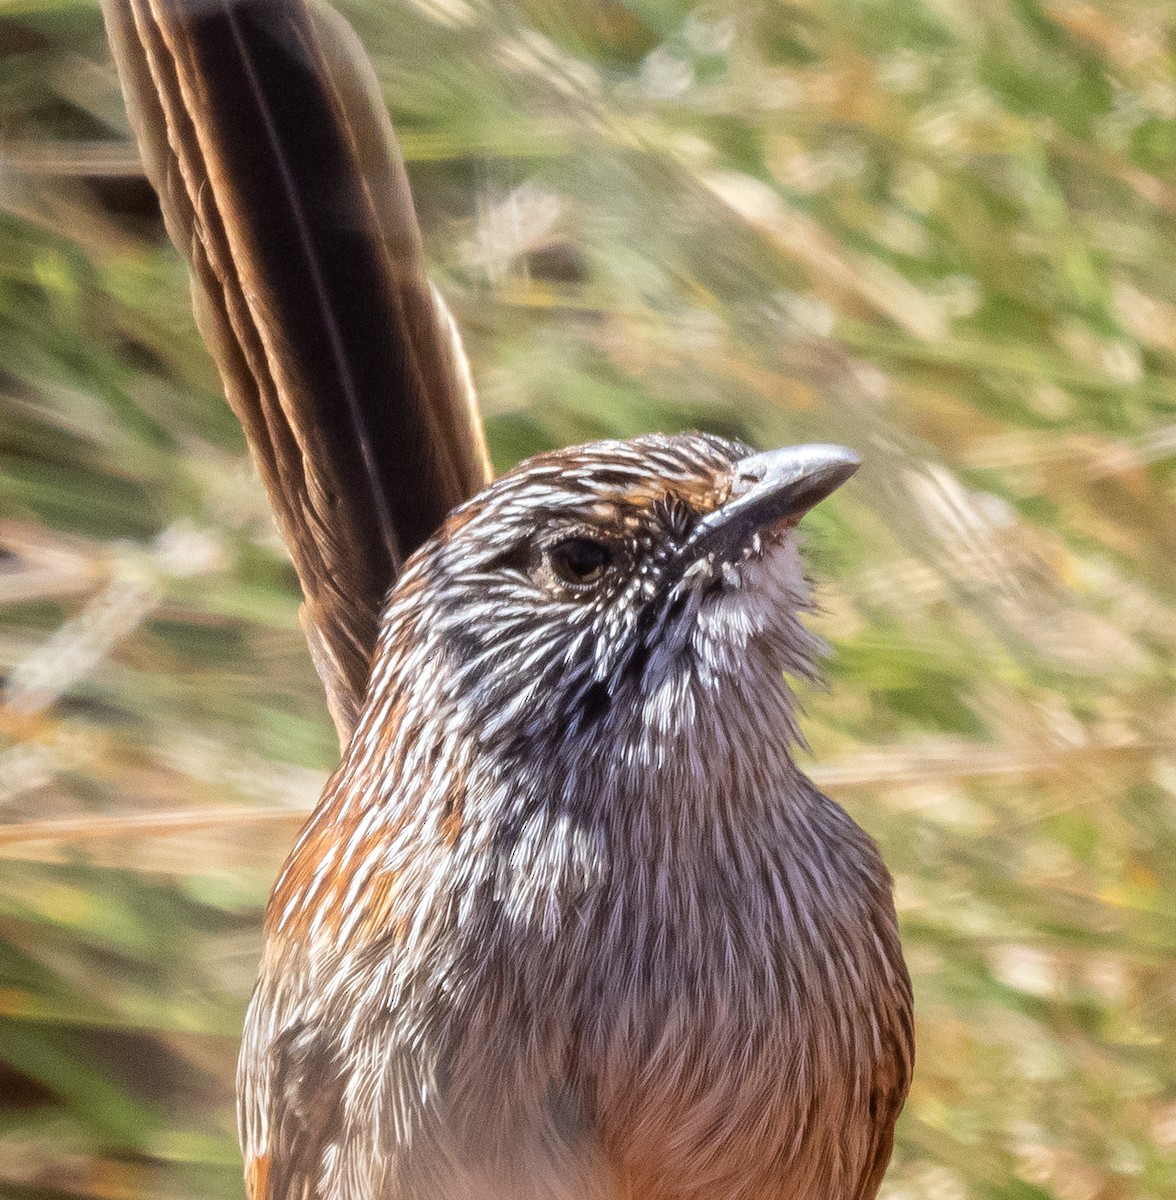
(261, 127)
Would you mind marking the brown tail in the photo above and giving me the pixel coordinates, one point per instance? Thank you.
(262, 129)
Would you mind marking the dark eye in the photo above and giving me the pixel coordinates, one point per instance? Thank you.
(579, 560)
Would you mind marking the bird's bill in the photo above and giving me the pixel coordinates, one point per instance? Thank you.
(772, 489)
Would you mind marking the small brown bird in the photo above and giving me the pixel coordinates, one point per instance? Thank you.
(568, 921)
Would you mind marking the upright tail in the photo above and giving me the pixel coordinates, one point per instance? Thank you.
(262, 129)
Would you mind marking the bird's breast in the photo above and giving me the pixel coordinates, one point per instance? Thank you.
(710, 1025)
(649, 1015)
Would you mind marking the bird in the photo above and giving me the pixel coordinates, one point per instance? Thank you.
(568, 921)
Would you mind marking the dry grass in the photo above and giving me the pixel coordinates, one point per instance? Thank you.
(942, 233)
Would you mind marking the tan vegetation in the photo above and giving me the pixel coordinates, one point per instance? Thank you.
(942, 233)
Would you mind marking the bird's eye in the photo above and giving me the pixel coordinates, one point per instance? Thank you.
(579, 560)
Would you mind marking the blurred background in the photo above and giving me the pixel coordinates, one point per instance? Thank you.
(943, 232)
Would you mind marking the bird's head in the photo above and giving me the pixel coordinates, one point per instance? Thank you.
(596, 595)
